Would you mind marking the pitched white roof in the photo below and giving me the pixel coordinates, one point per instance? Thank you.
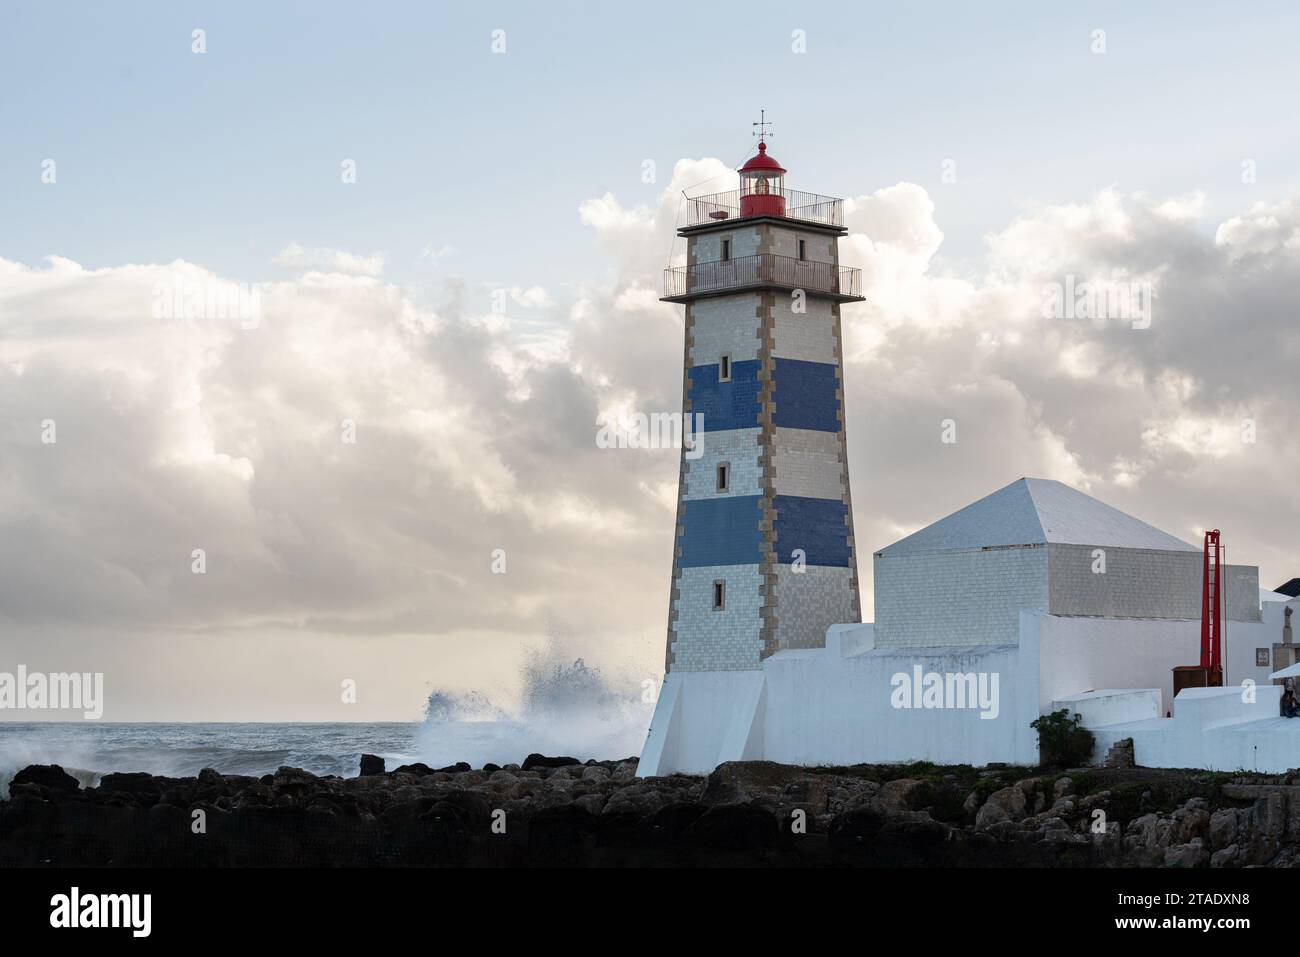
(1033, 511)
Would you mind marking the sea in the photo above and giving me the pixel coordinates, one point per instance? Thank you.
(566, 709)
(89, 749)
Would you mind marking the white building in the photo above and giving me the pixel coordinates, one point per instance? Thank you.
(1033, 598)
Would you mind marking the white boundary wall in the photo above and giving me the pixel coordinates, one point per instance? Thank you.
(1086, 654)
(1219, 729)
(835, 705)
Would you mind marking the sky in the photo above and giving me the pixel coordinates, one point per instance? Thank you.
(456, 215)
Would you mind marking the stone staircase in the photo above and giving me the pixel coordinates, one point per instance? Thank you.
(1120, 755)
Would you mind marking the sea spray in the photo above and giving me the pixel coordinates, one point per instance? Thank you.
(566, 707)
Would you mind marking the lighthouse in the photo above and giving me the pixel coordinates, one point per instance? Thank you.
(764, 555)
(985, 619)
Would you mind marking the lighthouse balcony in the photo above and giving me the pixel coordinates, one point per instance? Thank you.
(744, 203)
(764, 271)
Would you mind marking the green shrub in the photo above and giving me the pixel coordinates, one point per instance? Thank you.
(1062, 741)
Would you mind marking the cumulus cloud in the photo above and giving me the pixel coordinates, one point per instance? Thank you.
(295, 256)
(534, 297)
(1184, 423)
(373, 558)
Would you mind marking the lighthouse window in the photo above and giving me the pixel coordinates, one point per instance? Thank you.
(719, 595)
(802, 254)
(724, 476)
(724, 368)
(726, 250)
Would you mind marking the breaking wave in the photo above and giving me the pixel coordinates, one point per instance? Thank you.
(566, 708)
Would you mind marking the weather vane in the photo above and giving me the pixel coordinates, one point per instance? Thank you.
(762, 125)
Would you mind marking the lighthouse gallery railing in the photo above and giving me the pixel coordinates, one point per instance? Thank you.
(808, 207)
(763, 269)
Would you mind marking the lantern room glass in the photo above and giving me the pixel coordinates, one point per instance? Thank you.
(762, 183)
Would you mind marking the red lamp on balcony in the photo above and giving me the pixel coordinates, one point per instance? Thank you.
(762, 185)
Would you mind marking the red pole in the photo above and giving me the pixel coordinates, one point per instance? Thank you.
(1216, 658)
(1212, 609)
(1205, 604)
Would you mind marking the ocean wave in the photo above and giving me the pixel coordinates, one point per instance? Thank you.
(89, 750)
(566, 708)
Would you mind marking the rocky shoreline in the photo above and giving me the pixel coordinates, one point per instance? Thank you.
(557, 811)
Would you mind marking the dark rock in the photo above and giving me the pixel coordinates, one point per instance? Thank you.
(621, 829)
(1007, 804)
(534, 761)
(902, 794)
(599, 814)
(1192, 822)
(371, 764)
(855, 830)
(469, 807)
(169, 817)
(1192, 854)
(917, 831)
(670, 822)
(293, 783)
(419, 769)
(638, 799)
(401, 812)
(50, 776)
(323, 806)
(131, 782)
(1223, 830)
(734, 782)
(1224, 857)
(737, 827)
(558, 832)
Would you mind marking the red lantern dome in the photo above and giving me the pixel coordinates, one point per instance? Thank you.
(762, 185)
(761, 161)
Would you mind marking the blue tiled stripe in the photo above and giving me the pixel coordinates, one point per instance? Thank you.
(805, 395)
(817, 525)
(726, 405)
(721, 531)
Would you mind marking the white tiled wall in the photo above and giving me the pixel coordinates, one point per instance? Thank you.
(807, 464)
(1141, 583)
(724, 324)
(728, 640)
(736, 446)
(809, 602)
(960, 597)
(808, 335)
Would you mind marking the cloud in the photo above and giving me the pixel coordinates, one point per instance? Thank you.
(430, 251)
(329, 260)
(476, 432)
(534, 297)
(1184, 423)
